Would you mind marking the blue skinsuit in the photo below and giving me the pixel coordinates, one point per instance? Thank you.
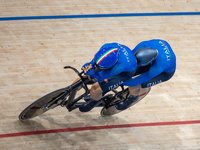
(164, 62)
(126, 62)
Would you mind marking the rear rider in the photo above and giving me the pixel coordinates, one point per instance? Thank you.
(115, 64)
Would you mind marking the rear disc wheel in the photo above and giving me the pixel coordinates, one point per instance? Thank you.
(112, 109)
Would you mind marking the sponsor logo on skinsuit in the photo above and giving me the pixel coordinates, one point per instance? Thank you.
(153, 83)
(166, 50)
(115, 85)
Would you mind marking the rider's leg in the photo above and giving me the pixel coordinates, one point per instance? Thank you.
(101, 88)
(96, 91)
(134, 95)
(134, 90)
(96, 94)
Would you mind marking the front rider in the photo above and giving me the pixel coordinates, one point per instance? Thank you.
(115, 64)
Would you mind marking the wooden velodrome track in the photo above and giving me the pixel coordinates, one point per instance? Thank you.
(33, 53)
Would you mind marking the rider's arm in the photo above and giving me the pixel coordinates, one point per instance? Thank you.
(105, 74)
(102, 74)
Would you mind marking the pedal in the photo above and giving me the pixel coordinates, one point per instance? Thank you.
(75, 106)
(87, 98)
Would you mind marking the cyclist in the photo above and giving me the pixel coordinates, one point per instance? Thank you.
(115, 64)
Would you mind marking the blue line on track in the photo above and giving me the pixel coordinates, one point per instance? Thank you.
(99, 16)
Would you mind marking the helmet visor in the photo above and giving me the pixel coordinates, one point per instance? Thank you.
(99, 68)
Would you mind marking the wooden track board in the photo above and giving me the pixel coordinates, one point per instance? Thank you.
(34, 52)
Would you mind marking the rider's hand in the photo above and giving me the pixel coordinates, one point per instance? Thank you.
(85, 65)
(87, 68)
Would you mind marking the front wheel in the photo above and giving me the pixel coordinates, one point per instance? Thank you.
(40, 106)
(112, 109)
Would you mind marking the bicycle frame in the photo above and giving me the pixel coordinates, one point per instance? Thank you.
(72, 104)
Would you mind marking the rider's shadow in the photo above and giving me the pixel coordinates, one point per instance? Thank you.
(92, 137)
(98, 120)
(81, 139)
(89, 136)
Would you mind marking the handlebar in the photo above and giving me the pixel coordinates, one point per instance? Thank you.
(79, 73)
(84, 79)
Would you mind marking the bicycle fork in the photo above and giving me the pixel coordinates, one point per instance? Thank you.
(56, 100)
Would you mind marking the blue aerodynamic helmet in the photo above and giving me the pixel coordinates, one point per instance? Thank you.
(145, 55)
(106, 57)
